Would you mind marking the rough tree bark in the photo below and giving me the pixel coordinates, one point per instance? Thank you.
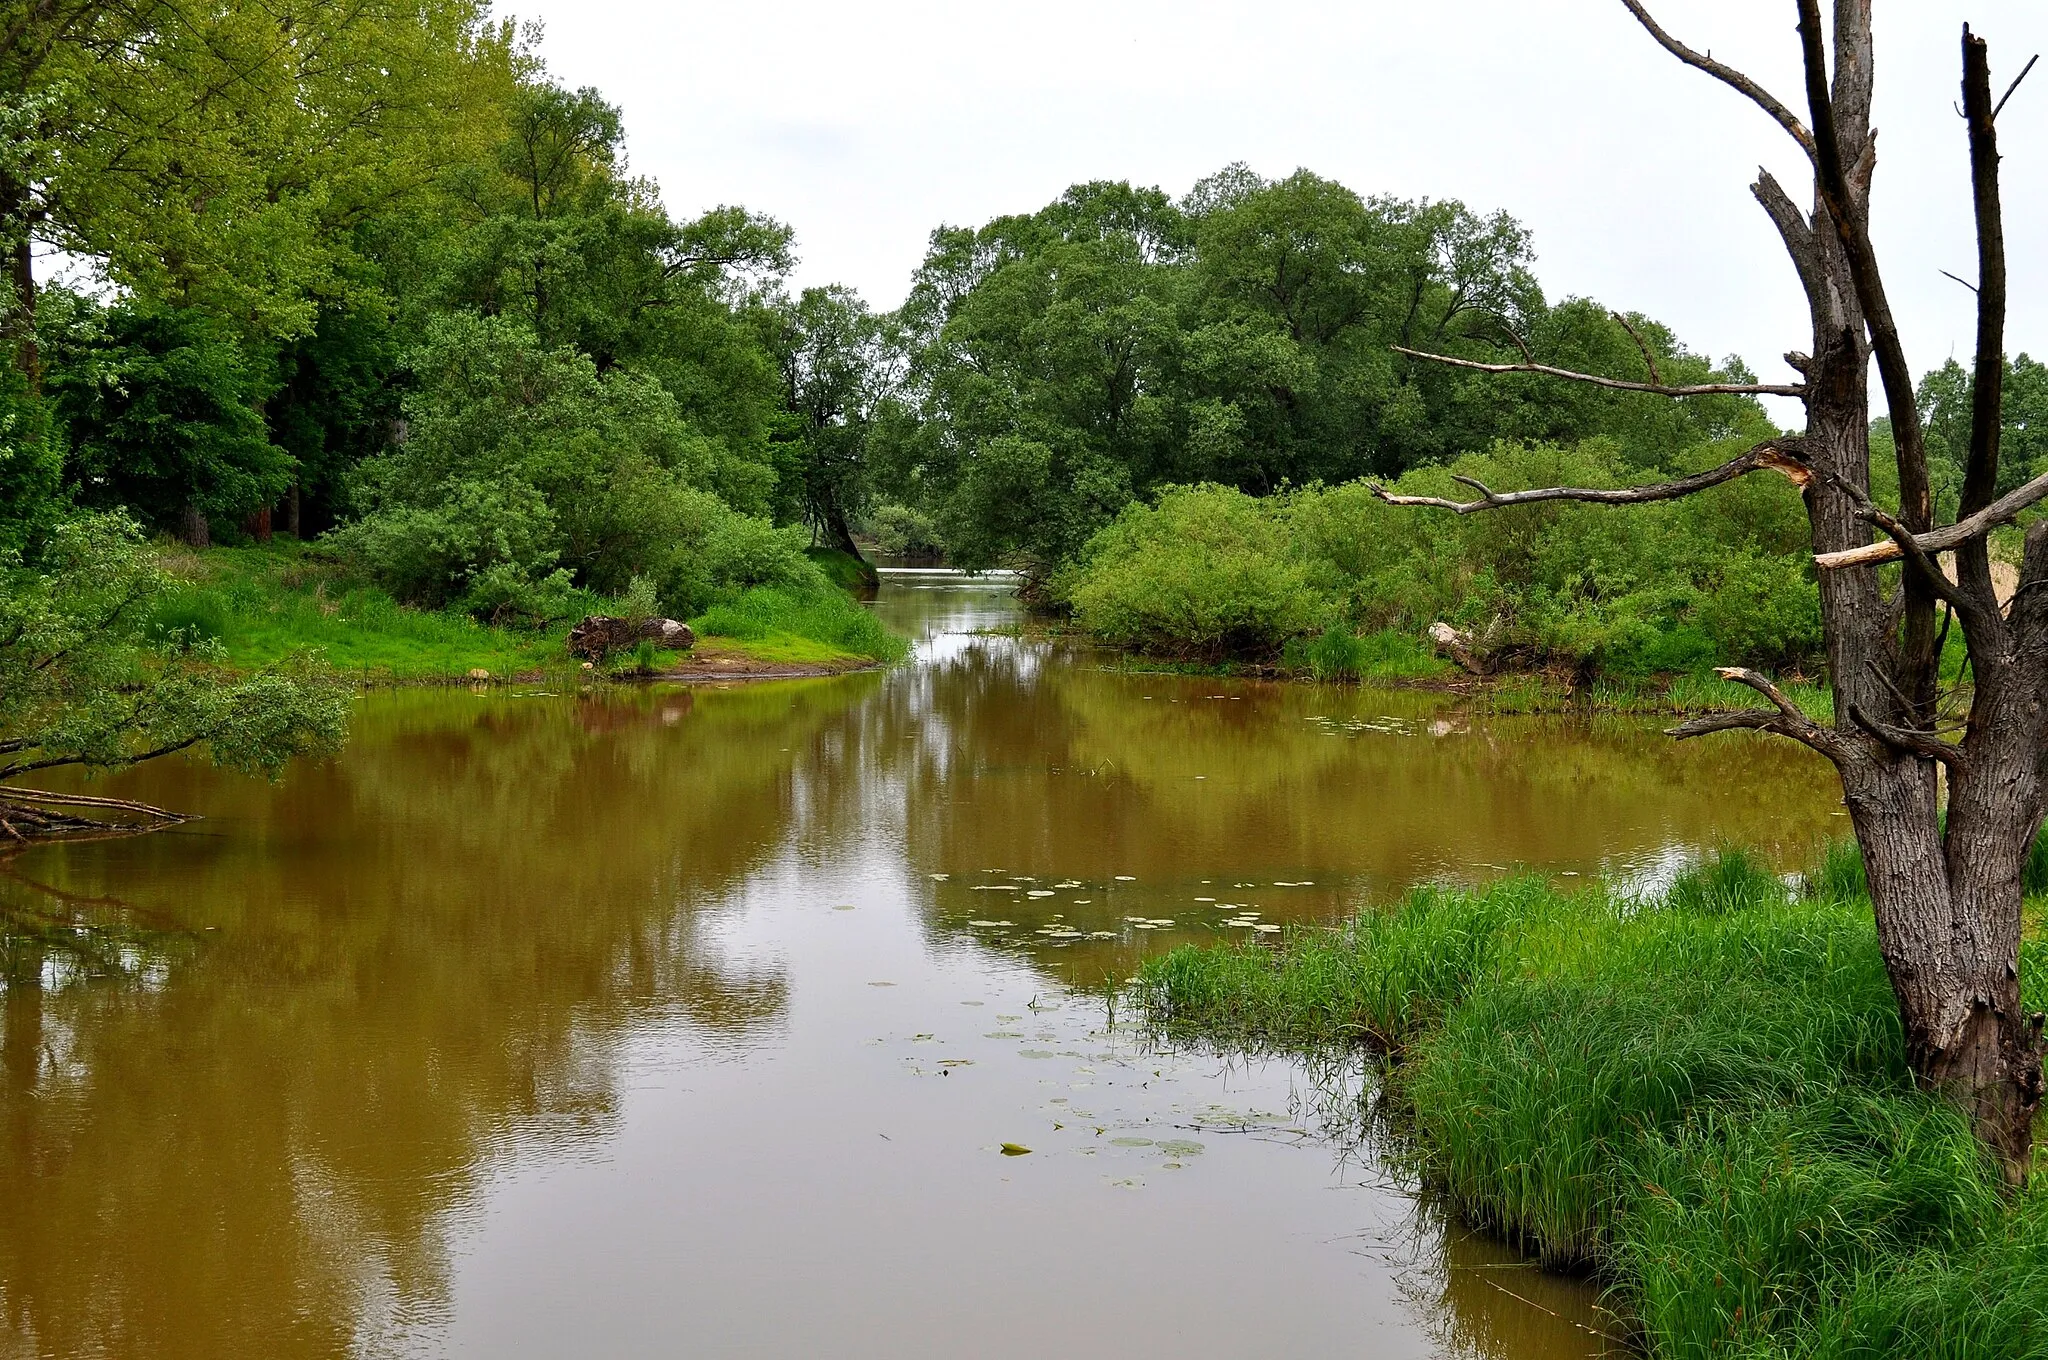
(1947, 899)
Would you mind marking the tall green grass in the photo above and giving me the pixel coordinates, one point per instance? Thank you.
(827, 617)
(1340, 654)
(1699, 1094)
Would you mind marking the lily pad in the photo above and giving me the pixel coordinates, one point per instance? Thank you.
(1131, 1142)
(1015, 1150)
(1180, 1147)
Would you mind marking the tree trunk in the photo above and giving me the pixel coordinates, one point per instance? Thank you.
(195, 530)
(1947, 908)
(291, 511)
(832, 519)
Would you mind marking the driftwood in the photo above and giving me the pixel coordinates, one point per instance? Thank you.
(34, 814)
(1459, 647)
(599, 634)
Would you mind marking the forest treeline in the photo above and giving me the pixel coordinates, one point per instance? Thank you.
(371, 275)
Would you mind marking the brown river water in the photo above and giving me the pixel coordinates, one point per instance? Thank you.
(692, 1022)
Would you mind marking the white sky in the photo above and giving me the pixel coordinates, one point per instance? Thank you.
(866, 123)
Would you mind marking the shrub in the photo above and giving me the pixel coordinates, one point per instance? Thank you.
(1206, 572)
(1721, 578)
(900, 531)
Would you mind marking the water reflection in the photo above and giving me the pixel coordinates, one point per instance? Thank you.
(537, 1023)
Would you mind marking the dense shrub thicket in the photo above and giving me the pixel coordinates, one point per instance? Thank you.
(1209, 571)
(1702, 1095)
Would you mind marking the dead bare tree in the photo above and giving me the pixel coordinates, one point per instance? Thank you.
(1947, 899)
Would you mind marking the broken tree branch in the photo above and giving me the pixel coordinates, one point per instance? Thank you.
(9, 793)
(1783, 456)
(1727, 75)
(2001, 511)
(1784, 718)
(1618, 384)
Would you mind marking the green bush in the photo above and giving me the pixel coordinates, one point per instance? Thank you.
(718, 552)
(1207, 572)
(900, 531)
(1717, 579)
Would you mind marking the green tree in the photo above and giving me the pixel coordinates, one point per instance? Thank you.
(160, 408)
(1944, 400)
(555, 234)
(90, 676)
(840, 363)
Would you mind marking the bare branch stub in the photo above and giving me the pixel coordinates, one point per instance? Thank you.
(1784, 456)
(1618, 384)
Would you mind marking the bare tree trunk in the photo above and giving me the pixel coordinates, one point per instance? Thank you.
(291, 511)
(1947, 900)
(195, 530)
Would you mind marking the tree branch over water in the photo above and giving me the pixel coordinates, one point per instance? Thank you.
(1783, 456)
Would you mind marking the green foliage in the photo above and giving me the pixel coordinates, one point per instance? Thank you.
(1117, 342)
(160, 407)
(1717, 579)
(526, 470)
(839, 367)
(1205, 573)
(99, 668)
(1703, 1095)
(905, 532)
(1945, 395)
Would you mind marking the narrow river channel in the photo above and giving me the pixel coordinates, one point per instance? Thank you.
(693, 1022)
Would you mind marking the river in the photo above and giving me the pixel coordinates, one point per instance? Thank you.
(695, 1022)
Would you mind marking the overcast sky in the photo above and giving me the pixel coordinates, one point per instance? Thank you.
(866, 123)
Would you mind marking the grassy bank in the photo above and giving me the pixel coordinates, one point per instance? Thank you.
(1703, 1097)
(264, 604)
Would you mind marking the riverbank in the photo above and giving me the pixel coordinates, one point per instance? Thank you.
(1391, 660)
(263, 605)
(1700, 1097)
